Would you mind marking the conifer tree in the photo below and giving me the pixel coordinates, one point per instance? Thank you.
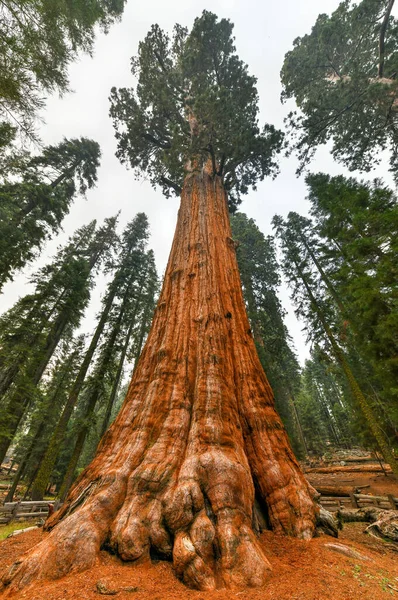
(342, 76)
(129, 312)
(321, 317)
(260, 278)
(128, 269)
(43, 418)
(69, 282)
(35, 198)
(358, 225)
(38, 41)
(133, 337)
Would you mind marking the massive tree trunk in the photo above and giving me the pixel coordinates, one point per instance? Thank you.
(197, 439)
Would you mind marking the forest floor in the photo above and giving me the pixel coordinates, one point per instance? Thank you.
(379, 484)
(302, 570)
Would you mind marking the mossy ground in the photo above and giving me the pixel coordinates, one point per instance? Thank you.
(5, 530)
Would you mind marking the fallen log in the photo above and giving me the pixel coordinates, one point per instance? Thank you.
(349, 469)
(19, 531)
(383, 523)
(330, 490)
(365, 515)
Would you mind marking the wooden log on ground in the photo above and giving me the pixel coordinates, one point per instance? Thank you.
(31, 515)
(349, 469)
(330, 490)
(371, 497)
(368, 514)
(383, 523)
(360, 459)
(359, 501)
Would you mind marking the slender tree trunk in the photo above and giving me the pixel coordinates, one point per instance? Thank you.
(327, 414)
(21, 399)
(116, 382)
(355, 389)
(7, 378)
(196, 438)
(325, 278)
(17, 477)
(298, 422)
(49, 412)
(141, 337)
(92, 401)
(44, 473)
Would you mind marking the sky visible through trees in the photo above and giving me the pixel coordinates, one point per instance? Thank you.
(85, 113)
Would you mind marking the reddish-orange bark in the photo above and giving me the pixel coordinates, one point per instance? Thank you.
(197, 438)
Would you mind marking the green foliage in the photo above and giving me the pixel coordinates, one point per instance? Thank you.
(128, 315)
(44, 414)
(343, 78)
(194, 101)
(35, 196)
(325, 406)
(358, 224)
(31, 330)
(129, 268)
(316, 270)
(38, 41)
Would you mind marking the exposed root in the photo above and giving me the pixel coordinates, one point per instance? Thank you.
(73, 546)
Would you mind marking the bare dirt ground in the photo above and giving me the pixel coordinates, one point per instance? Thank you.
(301, 570)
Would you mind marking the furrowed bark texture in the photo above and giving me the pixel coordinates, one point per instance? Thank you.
(197, 444)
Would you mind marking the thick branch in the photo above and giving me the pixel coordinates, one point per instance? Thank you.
(156, 141)
(166, 181)
(213, 159)
(221, 167)
(382, 46)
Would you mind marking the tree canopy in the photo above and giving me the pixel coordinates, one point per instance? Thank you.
(343, 78)
(194, 100)
(38, 41)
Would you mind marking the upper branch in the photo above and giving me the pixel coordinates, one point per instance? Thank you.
(166, 181)
(156, 141)
(382, 44)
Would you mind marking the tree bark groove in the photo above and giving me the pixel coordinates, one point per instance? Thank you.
(197, 437)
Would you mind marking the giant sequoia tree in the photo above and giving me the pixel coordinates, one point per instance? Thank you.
(197, 439)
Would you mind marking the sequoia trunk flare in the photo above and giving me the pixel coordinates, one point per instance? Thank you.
(197, 458)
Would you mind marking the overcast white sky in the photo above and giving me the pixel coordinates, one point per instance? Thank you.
(264, 32)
